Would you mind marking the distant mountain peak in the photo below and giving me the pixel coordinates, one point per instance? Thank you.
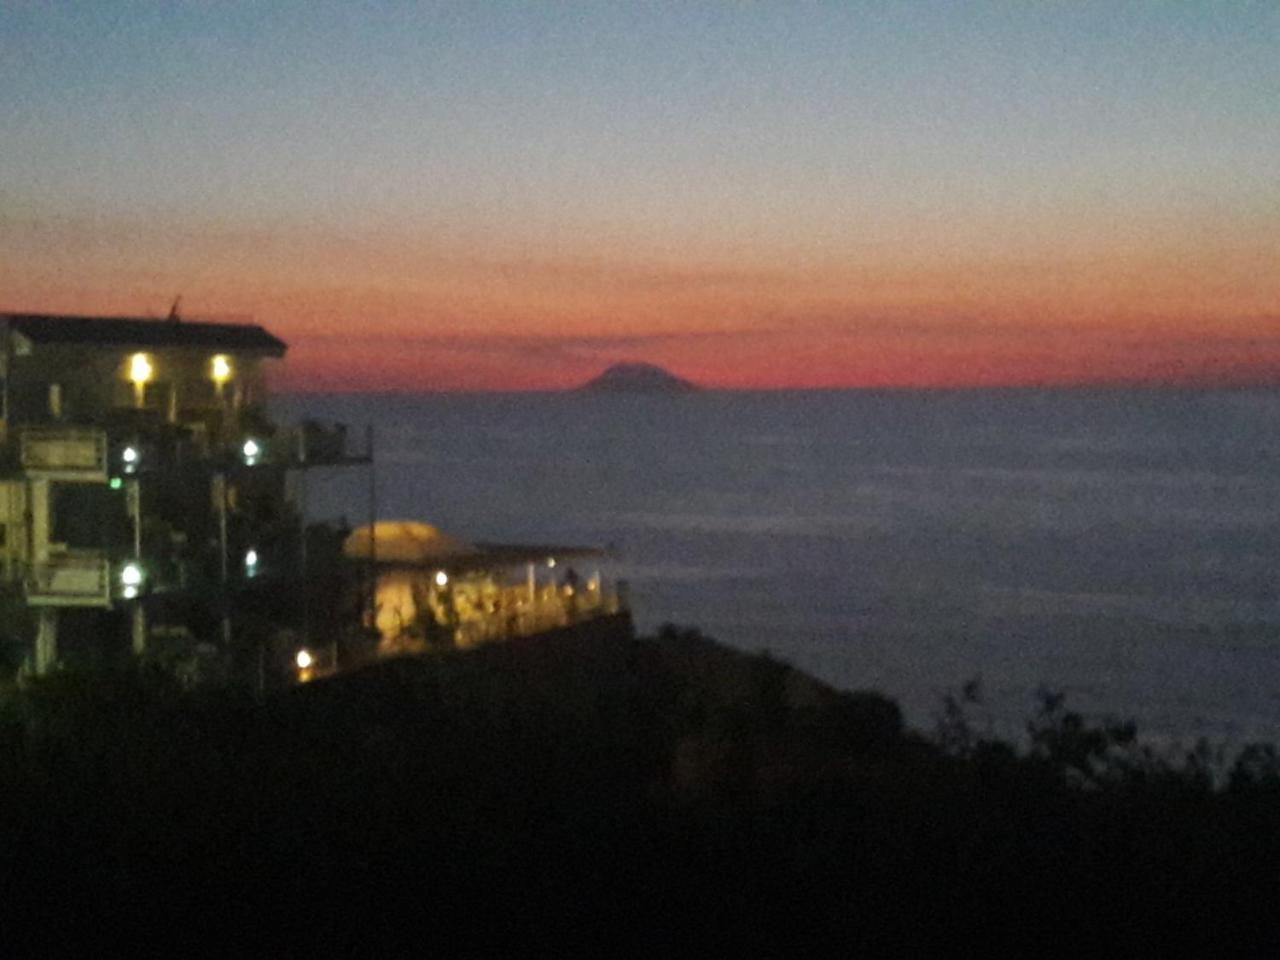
(639, 378)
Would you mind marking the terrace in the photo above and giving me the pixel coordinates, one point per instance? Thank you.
(70, 578)
(431, 590)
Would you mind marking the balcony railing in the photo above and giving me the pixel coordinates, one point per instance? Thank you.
(64, 453)
(512, 612)
(76, 578)
(84, 453)
(318, 444)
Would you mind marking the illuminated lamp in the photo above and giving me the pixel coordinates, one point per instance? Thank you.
(220, 369)
(131, 579)
(304, 660)
(140, 369)
(140, 373)
(251, 562)
(442, 578)
(251, 450)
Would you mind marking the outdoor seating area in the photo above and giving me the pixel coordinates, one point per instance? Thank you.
(434, 591)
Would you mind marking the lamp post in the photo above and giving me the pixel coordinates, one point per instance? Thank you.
(132, 577)
(220, 503)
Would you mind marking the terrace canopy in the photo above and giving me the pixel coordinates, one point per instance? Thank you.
(413, 544)
(404, 542)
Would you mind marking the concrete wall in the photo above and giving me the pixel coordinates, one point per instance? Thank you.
(94, 380)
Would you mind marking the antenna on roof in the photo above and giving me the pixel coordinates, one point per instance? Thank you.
(173, 310)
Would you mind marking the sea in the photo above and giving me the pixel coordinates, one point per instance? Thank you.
(1120, 546)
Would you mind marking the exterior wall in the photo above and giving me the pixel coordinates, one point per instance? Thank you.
(13, 539)
(69, 411)
(89, 382)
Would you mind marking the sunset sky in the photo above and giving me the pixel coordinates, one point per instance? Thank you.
(487, 195)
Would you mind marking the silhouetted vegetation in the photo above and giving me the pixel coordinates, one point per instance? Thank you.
(651, 794)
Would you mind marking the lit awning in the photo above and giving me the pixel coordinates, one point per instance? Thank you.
(411, 544)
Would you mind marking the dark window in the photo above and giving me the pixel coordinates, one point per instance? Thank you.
(88, 516)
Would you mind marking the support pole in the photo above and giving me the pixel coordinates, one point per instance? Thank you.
(133, 501)
(38, 508)
(220, 498)
(46, 652)
(305, 588)
(373, 529)
(138, 626)
(139, 629)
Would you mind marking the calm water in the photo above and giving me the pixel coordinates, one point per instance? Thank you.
(1121, 545)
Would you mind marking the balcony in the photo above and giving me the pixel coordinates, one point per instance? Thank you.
(76, 578)
(64, 453)
(313, 443)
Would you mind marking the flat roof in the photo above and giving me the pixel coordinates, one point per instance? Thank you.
(48, 328)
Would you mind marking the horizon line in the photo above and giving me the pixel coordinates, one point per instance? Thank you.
(1100, 385)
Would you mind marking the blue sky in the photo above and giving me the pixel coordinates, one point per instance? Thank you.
(810, 137)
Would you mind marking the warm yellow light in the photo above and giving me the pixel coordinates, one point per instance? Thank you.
(140, 368)
(442, 579)
(220, 368)
(303, 660)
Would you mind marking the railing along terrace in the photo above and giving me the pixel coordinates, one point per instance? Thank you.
(519, 615)
(63, 449)
(73, 578)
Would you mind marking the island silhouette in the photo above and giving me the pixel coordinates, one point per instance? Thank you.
(638, 378)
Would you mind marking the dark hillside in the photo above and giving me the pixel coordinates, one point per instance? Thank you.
(645, 794)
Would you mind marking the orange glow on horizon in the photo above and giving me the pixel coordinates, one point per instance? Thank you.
(386, 310)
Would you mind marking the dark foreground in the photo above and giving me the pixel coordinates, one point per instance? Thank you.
(644, 795)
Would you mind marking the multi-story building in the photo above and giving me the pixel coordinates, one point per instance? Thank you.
(144, 492)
